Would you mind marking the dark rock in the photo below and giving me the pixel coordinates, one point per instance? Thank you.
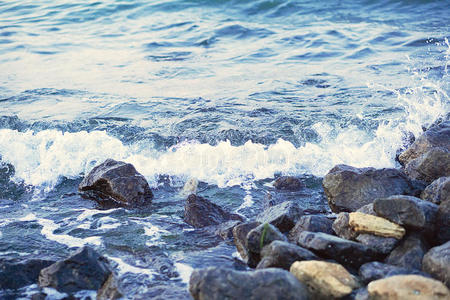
(83, 270)
(348, 188)
(376, 270)
(313, 223)
(358, 294)
(288, 183)
(342, 228)
(225, 230)
(436, 136)
(200, 212)
(409, 253)
(412, 212)
(279, 254)
(443, 223)
(269, 284)
(110, 289)
(438, 191)
(39, 296)
(343, 251)
(437, 263)
(367, 209)
(164, 292)
(283, 216)
(383, 245)
(259, 237)
(430, 166)
(117, 182)
(240, 240)
(15, 274)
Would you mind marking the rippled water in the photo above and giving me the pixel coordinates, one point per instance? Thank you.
(232, 93)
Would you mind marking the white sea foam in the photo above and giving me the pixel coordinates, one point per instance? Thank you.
(185, 271)
(123, 268)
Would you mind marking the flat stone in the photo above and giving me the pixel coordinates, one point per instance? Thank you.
(412, 212)
(407, 287)
(408, 253)
(364, 223)
(324, 280)
(218, 283)
(346, 252)
(279, 254)
(348, 188)
(376, 270)
(437, 263)
(313, 223)
(283, 215)
(438, 191)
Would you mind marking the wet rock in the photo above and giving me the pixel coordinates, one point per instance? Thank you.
(407, 287)
(376, 270)
(164, 292)
(383, 245)
(438, 191)
(348, 188)
(259, 237)
(225, 230)
(343, 251)
(283, 216)
(436, 136)
(412, 212)
(342, 228)
(110, 289)
(83, 270)
(200, 212)
(15, 274)
(409, 253)
(324, 280)
(430, 166)
(279, 254)
(116, 182)
(313, 223)
(443, 223)
(240, 240)
(217, 283)
(288, 183)
(364, 223)
(367, 209)
(437, 263)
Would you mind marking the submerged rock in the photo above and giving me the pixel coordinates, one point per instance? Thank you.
(430, 166)
(437, 263)
(288, 183)
(376, 270)
(283, 216)
(407, 287)
(200, 212)
(217, 283)
(15, 274)
(438, 191)
(280, 254)
(348, 188)
(83, 270)
(118, 183)
(343, 251)
(409, 253)
(313, 223)
(324, 280)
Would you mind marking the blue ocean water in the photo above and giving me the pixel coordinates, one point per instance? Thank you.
(230, 93)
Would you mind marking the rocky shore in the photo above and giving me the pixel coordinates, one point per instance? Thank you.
(387, 236)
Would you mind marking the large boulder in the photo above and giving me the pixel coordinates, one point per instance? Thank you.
(437, 263)
(346, 252)
(83, 270)
(376, 270)
(409, 253)
(407, 287)
(200, 212)
(364, 223)
(412, 212)
(240, 240)
(348, 188)
(314, 223)
(383, 245)
(280, 254)
(437, 136)
(325, 280)
(289, 183)
(438, 191)
(283, 216)
(118, 183)
(217, 283)
(15, 274)
(259, 237)
(442, 223)
(430, 166)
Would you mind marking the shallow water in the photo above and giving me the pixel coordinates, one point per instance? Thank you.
(232, 93)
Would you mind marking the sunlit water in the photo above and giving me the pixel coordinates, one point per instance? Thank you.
(232, 93)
